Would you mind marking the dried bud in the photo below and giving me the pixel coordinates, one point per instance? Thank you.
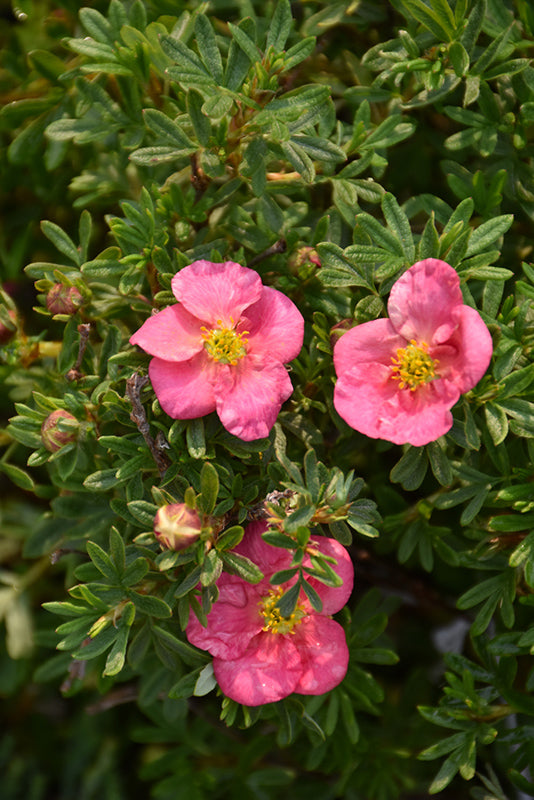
(54, 435)
(8, 329)
(63, 299)
(177, 526)
(304, 261)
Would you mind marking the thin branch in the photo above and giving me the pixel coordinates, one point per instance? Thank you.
(74, 373)
(134, 386)
(278, 247)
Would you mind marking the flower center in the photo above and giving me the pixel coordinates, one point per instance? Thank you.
(274, 621)
(223, 344)
(413, 366)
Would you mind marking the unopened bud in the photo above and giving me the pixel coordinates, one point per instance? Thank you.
(54, 435)
(177, 526)
(304, 261)
(63, 299)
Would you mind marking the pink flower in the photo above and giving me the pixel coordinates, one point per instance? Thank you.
(223, 348)
(260, 657)
(398, 378)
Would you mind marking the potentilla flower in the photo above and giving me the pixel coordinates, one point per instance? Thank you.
(398, 378)
(223, 348)
(259, 656)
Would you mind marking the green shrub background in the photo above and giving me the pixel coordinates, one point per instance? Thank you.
(138, 137)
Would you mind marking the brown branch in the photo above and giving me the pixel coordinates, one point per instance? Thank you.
(278, 247)
(74, 373)
(134, 386)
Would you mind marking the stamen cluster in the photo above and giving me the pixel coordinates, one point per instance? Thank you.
(224, 345)
(413, 366)
(274, 621)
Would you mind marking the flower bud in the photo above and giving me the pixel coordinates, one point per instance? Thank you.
(63, 299)
(304, 261)
(177, 526)
(54, 436)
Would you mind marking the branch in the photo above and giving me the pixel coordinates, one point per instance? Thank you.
(134, 386)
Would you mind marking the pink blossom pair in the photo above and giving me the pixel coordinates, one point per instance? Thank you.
(224, 345)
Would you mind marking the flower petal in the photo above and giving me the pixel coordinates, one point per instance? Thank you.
(250, 395)
(268, 671)
(372, 403)
(466, 356)
(333, 597)
(233, 621)
(270, 559)
(275, 326)
(422, 302)
(172, 334)
(214, 292)
(368, 343)
(323, 652)
(184, 389)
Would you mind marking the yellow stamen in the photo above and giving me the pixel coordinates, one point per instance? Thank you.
(274, 621)
(223, 344)
(413, 366)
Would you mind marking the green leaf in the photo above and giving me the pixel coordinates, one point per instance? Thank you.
(299, 518)
(299, 160)
(209, 487)
(135, 572)
(195, 438)
(280, 26)
(164, 127)
(238, 62)
(206, 681)
(487, 233)
(491, 52)
(102, 561)
(230, 537)
(211, 568)
(150, 605)
(207, 47)
(117, 550)
(438, 18)
(459, 58)
(200, 120)
(245, 42)
(117, 655)
(439, 463)
(287, 603)
(448, 770)
(19, 477)
(411, 469)
(96, 25)
(399, 224)
(143, 511)
(188, 653)
(299, 52)
(61, 241)
(242, 566)
(190, 70)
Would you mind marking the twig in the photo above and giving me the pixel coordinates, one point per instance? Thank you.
(134, 386)
(117, 697)
(199, 179)
(278, 247)
(74, 373)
